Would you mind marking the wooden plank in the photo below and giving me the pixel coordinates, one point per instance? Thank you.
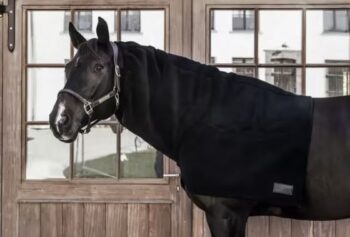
(51, 220)
(258, 227)
(29, 222)
(11, 133)
(280, 227)
(137, 220)
(342, 228)
(94, 220)
(159, 220)
(206, 230)
(302, 228)
(72, 222)
(117, 220)
(324, 229)
(198, 222)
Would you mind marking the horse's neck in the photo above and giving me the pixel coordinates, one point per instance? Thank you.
(157, 95)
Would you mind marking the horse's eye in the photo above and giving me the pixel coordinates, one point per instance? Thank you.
(98, 67)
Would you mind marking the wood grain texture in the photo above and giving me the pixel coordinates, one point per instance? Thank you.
(198, 222)
(73, 220)
(258, 227)
(94, 220)
(117, 220)
(280, 227)
(29, 222)
(302, 228)
(51, 220)
(138, 220)
(342, 228)
(159, 220)
(324, 229)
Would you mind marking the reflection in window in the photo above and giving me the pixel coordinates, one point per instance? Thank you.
(131, 21)
(83, 21)
(243, 20)
(245, 71)
(212, 20)
(337, 79)
(336, 20)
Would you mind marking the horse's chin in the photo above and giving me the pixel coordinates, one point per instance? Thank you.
(68, 139)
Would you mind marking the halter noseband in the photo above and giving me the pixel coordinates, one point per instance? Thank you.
(90, 105)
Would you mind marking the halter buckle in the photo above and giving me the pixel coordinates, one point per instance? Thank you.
(88, 109)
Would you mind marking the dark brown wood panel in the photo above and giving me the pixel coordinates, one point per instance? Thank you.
(29, 223)
(51, 220)
(159, 220)
(73, 220)
(94, 220)
(117, 220)
(138, 220)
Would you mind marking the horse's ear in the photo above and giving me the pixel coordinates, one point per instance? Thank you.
(75, 36)
(102, 31)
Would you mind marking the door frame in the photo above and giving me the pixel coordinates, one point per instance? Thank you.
(16, 190)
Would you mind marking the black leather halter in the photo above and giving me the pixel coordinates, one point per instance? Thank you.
(90, 105)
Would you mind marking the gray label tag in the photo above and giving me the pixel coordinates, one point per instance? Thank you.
(283, 189)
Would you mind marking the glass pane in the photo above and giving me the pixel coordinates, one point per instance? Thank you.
(138, 158)
(86, 22)
(325, 43)
(47, 157)
(287, 78)
(48, 39)
(43, 85)
(146, 27)
(95, 154)
(280, 36)
(235, 30)
(245, 71)
(326, 82)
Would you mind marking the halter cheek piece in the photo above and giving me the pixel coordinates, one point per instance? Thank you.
(90, 105)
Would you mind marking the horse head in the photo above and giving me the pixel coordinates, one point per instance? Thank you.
(91, 92)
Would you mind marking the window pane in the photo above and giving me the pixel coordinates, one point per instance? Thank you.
(86, 22)
(95, 154)
(328, 20)
(322, 46)
(245, 71)
(341, 20)
(43, 85)
(47, 157)
(326, 82)
(237, 44)
(287, 78)
(147, 29)
(280, 36)
(138, 158)
(48, 39)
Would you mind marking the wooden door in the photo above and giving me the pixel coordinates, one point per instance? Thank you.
(98, 186)
(254, 33)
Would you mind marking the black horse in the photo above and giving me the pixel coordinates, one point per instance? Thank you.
(165, 98)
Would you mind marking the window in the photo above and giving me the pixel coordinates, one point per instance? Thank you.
(336, 20)
(243, 20)
(131, 21)
(212, 20)
(245, 71)
(108, 151)
(290, 49)
(212, 60)
(337, 79)
(83, 21)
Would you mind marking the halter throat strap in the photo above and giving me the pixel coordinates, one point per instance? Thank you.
(90, 105)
